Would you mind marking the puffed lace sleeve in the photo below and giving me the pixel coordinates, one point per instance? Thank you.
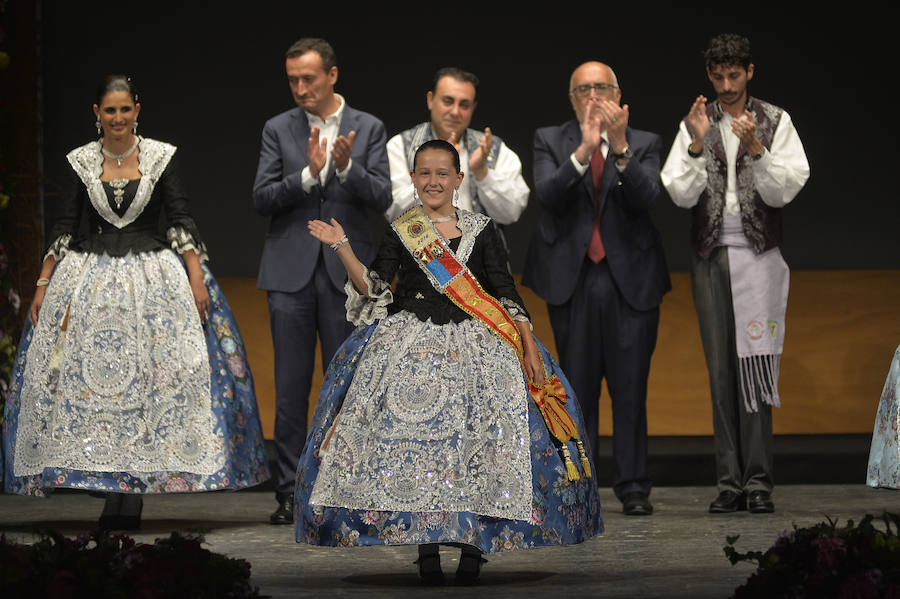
(181, 230)
(182, 240)
(66, 218)
(59, 247)
(371, 306)
(515, 310)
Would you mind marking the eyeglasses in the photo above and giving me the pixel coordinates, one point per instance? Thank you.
(584, 89)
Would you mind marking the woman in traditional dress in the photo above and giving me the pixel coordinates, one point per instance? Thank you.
(131, 376)
(884, 457)
(428, 428)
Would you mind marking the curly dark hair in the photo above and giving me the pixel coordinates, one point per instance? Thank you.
(727, 49)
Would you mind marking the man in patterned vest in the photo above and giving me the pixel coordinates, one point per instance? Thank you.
(493, 182)
(736, 162)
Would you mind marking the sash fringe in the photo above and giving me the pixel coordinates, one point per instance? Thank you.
(759, 378)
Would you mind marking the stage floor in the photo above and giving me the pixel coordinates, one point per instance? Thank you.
(677, 552)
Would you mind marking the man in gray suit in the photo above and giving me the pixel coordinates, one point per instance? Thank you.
(322, 160)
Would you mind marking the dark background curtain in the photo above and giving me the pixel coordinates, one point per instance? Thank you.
(210, 75)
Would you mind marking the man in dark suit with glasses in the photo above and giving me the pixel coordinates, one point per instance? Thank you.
(597, 260)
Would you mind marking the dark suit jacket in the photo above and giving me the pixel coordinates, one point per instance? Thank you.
(560, 241)
(290, 252)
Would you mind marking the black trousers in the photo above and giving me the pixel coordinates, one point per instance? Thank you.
(295, 319)
(598, 335)
(743, 440)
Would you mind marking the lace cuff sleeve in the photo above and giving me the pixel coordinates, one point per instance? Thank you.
(183, 241)
(59, 248)
(515, 310)
(366, 309)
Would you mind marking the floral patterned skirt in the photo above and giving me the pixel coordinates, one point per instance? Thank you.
(121, 388)
(884, 457)
(389, 397)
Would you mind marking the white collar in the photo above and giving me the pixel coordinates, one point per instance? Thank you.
(334, 117)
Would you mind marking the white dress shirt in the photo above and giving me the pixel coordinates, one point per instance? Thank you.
(779, 174)
(502, 193)
(328, 129)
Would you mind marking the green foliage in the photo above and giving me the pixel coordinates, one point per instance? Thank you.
(857, 561)
(9, 296)
(101, 565)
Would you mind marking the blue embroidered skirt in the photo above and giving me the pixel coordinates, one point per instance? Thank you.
(884, 456)
(120, 388)
(430, 436)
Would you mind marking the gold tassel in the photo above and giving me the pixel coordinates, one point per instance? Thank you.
(571, 470)
(585, 463)
(324, 447)
(56, 356)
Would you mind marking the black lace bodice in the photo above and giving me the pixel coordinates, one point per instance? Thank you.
(414, 292)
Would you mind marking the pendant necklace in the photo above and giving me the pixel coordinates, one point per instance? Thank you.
(120, 157)
(118, 187)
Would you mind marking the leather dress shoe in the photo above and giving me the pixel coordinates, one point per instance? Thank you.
(285, 512)
(760, 502)
(728, 502)
(636, 504)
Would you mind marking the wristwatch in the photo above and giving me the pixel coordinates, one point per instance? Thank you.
(625, 154)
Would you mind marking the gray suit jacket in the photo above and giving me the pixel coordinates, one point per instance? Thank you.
(290, 253)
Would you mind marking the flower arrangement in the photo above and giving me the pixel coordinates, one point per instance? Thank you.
(9, 325)
(857, 561)
(10, 302)
(101, 565)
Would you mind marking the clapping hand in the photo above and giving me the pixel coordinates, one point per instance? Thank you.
(318, 153)
(478, 159)
(453, 140)
(592, 125)
(698, 121)
(616, 119)
(745, 128)
(341, 151)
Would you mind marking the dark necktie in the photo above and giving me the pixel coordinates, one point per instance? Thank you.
(596, 251)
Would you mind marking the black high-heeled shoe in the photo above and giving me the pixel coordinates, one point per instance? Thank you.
(429, 563)
(469, 567)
